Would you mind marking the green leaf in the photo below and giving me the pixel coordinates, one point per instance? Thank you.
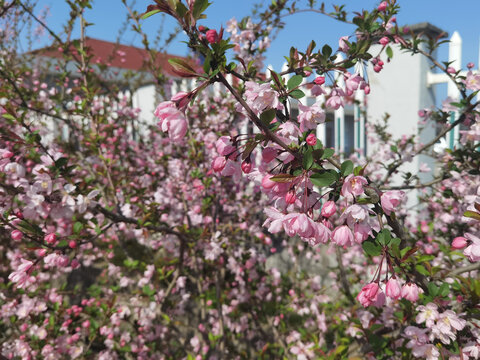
(182, 68)
(77, 227)
(199, 7)
(327, 153)
(432, 288)
(294, 81)
(206, 63)
(148, 14)
(389, 52)
(422, 270)
(307, 161)
(297, 94)
(282, 178)
(147, 290)
(322, 180)
(9, 117)
(444, 289)
(371, 248)
(395, 242)
(472, 214)
(347, 167)
(181, 9)
(62, 243)
(61, 162)
(384, 237)
(267, 116)
(326, 50)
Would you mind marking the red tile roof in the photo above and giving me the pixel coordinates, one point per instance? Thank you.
(118, 55)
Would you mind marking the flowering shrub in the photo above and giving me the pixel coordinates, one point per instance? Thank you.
(204, 239)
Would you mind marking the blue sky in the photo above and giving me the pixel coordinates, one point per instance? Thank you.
(108, 18)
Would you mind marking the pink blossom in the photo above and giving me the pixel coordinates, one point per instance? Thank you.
(172, 120)
(335, 100)
(427, 314)
(50, 238)
(393, 289)
(181, 99)
(472, 81)
(225, 146)
(410, 292)
(218, 164)
(310, 116)
(21, 276)
(342, 236)
(361, 232)
(261, 96)
(370, 295)
(391, 199)
(472, 251)
(384, 41)
(353, 186)
(342, 44)
(328, 209)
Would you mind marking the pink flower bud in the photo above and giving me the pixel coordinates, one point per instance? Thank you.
(311, 139)
(451, 70)
(16, 235)
(267, 183)
(377, 68)
(410, 292)
(383, 6)
(86, 324)
(202, 28)
(7, 154)
(74, 264)
(393, 289)
(50, 238)
(246, 166)
(212, 36)
(219, 163)
(319, 80)
(367, 89)
(72, 244)
(470, 65)
(328, 209)
(290, 197)
(41, 252)
(459, 243)
(384, 41)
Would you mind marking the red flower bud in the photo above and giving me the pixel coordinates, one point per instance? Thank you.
(212, 36)
(311, 139)
(290, 197)
(459, 243)
(246, 166)
(319, 80)
(383, 6)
